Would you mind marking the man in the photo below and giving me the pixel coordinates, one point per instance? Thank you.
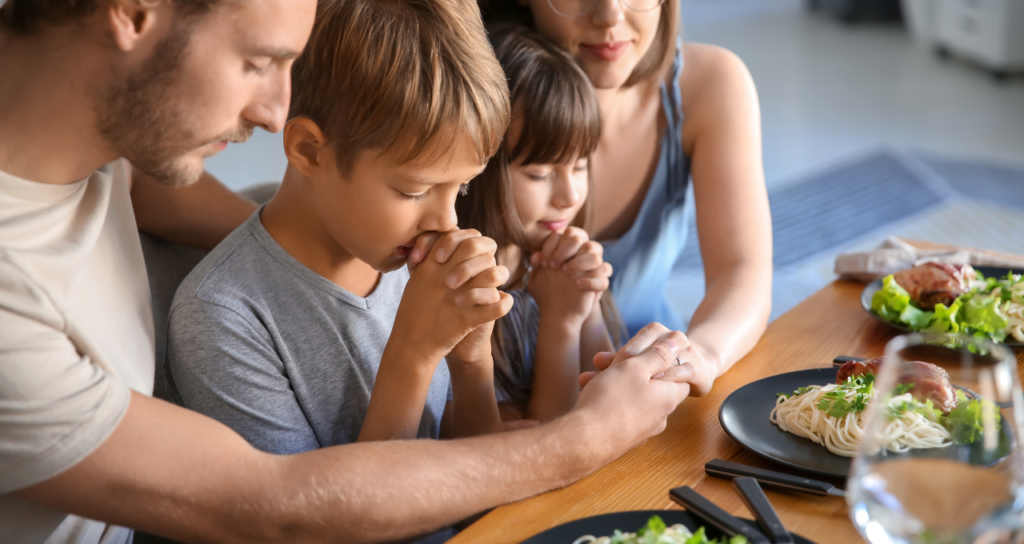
(164, 84)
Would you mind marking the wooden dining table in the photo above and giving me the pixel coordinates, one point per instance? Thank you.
(829, 323)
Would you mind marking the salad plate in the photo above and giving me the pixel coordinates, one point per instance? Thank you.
(745, 417)
(989, 272)
(629, 522)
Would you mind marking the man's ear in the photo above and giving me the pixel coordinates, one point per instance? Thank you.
(131, 22)
(306, 146)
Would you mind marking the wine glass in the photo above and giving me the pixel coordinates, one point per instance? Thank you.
(941, 464)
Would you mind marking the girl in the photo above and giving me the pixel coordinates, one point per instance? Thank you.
(663, 124)
(531, 199)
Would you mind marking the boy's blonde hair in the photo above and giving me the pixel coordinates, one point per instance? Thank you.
(401, 76)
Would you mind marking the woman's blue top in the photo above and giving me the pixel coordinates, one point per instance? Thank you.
(643, 257)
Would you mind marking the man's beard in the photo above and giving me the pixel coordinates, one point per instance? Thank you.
(144, 119)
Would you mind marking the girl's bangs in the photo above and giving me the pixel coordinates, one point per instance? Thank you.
(561, 120)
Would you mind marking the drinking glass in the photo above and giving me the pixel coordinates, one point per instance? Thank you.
(967, 490)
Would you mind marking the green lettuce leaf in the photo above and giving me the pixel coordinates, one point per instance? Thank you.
(890, 300)
(916, 318)
(966, 421)
(982, 317)
(945, 319)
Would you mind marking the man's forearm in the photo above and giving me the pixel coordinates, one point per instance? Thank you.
(399, 489)
(175, 473)
(169, 471)
(200, 215)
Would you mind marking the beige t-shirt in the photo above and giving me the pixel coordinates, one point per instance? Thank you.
(76, 334)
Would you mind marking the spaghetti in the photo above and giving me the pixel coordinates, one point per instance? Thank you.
(833, 416)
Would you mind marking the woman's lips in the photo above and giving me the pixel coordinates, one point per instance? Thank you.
(554, 225)
(222, 145)
(403, 251)
(606, 51)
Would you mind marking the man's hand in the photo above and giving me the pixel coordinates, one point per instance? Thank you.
(633, 395)
(452, 292)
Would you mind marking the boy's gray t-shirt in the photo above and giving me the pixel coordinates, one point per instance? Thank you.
(279, 353)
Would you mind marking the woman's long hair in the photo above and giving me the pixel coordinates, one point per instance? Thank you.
(557, 113)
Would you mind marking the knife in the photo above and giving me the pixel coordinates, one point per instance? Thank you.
(700, 506)
(838, 361)
(753, 496)
(726, 469)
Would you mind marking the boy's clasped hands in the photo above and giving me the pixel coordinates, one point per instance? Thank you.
(453, 298)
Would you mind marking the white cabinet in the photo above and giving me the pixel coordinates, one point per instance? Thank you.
(990, 32)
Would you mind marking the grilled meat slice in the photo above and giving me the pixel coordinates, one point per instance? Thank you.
(930, 382)
(936, 283)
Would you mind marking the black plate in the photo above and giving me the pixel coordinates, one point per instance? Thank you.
(744, 416)
(627, 522)
(989, 272)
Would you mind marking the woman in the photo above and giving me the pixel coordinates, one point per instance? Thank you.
(661, 124)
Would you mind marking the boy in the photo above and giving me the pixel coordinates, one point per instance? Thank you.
(295, 330)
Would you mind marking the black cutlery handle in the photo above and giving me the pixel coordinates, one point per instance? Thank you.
(838, 361)
(753, 496)
(727, 469)
(700, 506)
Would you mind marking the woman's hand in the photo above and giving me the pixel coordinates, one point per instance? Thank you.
(693, 366)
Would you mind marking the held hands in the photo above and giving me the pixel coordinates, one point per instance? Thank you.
(690, 364)
(452, 297)
(633, 395)
(568, 274)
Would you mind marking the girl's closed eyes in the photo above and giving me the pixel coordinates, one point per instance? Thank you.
(548, 196)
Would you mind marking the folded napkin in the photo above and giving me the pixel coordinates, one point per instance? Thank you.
(897, 254)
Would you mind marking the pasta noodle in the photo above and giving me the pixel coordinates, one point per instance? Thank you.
(907, 429)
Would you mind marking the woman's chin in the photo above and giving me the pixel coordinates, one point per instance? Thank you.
(608, 77)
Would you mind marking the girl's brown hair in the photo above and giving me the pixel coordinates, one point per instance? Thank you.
(656, 63)
(559, 119)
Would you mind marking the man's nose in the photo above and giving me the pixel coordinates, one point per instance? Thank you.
(270, 108)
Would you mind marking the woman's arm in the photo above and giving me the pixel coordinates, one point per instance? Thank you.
(722, 135)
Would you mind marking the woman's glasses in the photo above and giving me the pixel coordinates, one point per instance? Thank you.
(575, 8)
